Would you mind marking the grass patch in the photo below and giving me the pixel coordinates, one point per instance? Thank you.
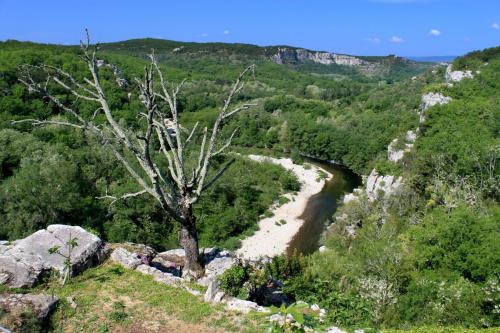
(113, 299)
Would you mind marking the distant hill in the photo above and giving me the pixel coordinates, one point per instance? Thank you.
(434, 58)
(300, 59)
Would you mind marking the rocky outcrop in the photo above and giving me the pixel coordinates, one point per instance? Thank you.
(396, 154)
(40, 305)
(290, 55)
(431, 99)
(378, 185)
(24, 261)
(456, 76)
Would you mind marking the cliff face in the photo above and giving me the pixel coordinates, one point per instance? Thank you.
(289, 55)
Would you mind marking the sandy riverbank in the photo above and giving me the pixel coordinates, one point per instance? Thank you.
(271, 239)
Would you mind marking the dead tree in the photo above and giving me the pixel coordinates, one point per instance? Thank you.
(176, 188)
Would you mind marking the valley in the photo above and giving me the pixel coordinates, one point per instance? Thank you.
(224, 187)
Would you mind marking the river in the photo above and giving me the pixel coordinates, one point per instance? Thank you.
(321, 206)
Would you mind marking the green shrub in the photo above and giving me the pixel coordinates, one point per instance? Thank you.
(283, 200)
(289, 182)
(433, 297)
(232, 243)
(231, 281)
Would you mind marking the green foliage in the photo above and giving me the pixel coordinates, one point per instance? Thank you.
(461, 242)
(295, 318)
(289, 181)
(231, 281)
(284, 267)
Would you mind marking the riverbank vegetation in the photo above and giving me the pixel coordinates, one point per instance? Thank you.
(429, 253)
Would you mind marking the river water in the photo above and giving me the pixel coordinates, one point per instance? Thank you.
(321, 206)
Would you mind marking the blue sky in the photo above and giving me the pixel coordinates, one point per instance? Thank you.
(364, 27)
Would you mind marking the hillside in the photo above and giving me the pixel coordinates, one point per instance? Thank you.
(320, 62)
(414, 247)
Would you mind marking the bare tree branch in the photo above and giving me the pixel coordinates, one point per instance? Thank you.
(123, 197)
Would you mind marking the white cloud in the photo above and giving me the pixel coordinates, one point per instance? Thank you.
(226, 32)
(495, 26)
(204, 34)
(434, 32)
(373, 40)
(396, 39)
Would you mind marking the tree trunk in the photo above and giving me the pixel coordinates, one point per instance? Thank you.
(188, 237)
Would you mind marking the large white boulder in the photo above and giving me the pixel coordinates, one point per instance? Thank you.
(24, 261)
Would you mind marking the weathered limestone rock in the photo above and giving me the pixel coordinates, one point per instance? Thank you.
(170, 258)
(352, 196)
(219, 297)
(394, 154)
(143, 251)
(160, 276)
(456, 76)
(431, 99)
(290, 55)
(219, 265)
(385, 185)
(23, 262)
(40, 305)
(125, 258)
(212, 290)
(236, 304)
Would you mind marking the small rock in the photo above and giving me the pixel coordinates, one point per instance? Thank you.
(71, 302)
(125, 258)
(322, 248)
(335, 329)
(243, 306)
(193, 291)
(315, 307)
(280, 319)
(219, 297)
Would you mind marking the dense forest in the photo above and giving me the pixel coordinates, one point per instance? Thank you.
(428, 255)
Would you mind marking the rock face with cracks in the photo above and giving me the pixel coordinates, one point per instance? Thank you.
(24, 261)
